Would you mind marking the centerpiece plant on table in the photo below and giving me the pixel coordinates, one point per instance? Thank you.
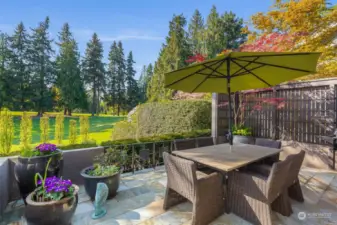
(33, 161)
(106, 168)
(53, 202)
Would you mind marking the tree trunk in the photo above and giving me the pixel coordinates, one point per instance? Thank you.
(65, 111)
(69, 112)
(118, 109)
(93, 107)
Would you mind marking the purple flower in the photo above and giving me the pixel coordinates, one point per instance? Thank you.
(55, 184)
(46, 147)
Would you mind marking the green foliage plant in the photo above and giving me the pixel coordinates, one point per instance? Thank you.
(110, 162)
(72, 132)
(84, 128)
(6, 131)
(44, 129)
(25, 131)
(242, 130)
(59, 128)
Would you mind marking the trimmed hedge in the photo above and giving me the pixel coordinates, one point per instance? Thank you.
(158, 138)
(173, 117)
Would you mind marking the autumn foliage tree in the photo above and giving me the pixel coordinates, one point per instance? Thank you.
(297, 26)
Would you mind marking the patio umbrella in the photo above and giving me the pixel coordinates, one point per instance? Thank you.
(237, 71)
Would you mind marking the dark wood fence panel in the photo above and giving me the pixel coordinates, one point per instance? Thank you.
(309, 112)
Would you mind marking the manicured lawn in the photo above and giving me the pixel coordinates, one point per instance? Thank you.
(100, 128)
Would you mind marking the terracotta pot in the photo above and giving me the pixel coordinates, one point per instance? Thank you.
(52, 212)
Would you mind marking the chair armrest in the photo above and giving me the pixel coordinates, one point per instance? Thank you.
(211, 184)
(251, 184)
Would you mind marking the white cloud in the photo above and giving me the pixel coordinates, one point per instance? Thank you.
(122, 36)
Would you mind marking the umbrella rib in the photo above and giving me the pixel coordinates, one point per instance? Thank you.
(271, 55)
(203, 81)
(252, 73)
(245, 73)
(189, 75)
(245, 66)
(283, 67)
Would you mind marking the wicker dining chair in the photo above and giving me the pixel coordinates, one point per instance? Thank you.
(252, 196)
(184, 182)
(184, 144)
(205, 141)
(264, 142)
(292, 183)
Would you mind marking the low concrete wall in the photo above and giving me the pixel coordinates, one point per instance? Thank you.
(4, 187)
(317, 156)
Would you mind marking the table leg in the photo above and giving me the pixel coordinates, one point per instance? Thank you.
(225, 187)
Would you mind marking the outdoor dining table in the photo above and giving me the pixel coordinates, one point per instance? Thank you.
(225, 158)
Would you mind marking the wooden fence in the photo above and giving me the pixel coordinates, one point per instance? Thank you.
(309, 112)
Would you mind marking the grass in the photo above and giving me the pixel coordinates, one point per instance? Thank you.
(100, 128)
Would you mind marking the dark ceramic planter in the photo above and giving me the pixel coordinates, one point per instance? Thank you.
(90, 183)
(26, 168)
(243, 139)
(51, 213)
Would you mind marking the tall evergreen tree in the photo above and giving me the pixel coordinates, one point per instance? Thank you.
(5, 73)
(196, 33)
(93, 69)
(142, 84)
(232, 29)
(20, 67)
(172, 56)
(111, 76)
(215, 37)
(68, 72)
(42, 66)
(120, 78)
(132, 91)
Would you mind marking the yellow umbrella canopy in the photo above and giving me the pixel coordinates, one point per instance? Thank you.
(243, 70)
(236, 71)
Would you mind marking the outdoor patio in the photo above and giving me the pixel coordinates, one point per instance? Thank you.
(140, 201)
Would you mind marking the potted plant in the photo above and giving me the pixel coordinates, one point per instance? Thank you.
(53, 202)
(107, 168)
(243, 135)
(35, 161)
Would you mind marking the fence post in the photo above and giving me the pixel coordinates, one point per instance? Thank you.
(275, 117)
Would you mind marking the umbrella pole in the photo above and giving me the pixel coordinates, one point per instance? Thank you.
(230, 136)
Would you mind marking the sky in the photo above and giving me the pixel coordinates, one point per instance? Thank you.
(141, 25)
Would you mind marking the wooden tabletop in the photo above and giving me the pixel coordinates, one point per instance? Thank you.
(220, 157)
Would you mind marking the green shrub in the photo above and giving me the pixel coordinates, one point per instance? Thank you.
(72, 132)
(59, 128)
(84, 128)
(26, 131)
(44, 129)
(164, 137)
(159, 118)
(6, 131)
(173, 117)
(124, 130)
(89, 144)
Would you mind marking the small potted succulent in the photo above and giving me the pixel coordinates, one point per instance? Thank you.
(107, 168)
(242, 134)
(53, 202)
(35, 161)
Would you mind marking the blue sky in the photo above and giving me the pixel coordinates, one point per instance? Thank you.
(140, 24)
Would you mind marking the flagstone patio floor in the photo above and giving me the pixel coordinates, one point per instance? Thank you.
(140, 201)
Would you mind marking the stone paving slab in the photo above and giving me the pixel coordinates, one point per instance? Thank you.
(141, 195)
